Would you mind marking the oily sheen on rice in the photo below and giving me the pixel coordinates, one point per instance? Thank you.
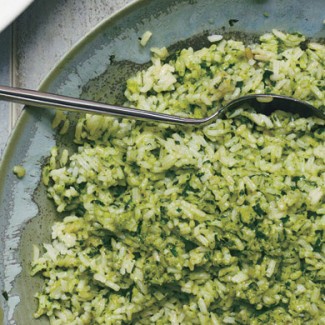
(175, 225)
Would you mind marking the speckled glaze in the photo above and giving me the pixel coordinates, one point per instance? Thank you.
(96, 68)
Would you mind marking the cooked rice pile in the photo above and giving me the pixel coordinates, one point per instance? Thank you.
(175, 225)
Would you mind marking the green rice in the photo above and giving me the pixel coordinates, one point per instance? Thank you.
(19, 171)
(175, 225)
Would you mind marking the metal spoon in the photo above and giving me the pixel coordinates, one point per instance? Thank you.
(262, 103)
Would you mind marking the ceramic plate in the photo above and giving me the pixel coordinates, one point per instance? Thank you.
(10, 10)
(97, 68)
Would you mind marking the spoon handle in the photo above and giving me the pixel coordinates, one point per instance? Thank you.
(52, 101)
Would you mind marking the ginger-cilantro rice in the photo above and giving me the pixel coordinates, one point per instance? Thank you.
(19, 171)
(176, 225)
